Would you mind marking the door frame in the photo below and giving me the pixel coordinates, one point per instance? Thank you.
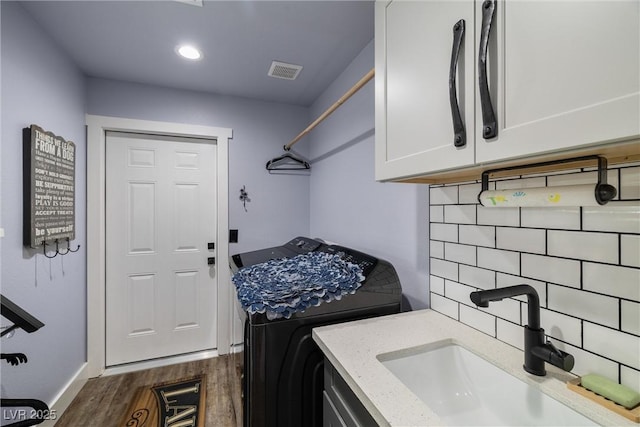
(97, 127)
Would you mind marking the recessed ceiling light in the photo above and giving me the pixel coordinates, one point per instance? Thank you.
(189, 52)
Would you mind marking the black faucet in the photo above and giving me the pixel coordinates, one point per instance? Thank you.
(536, 351)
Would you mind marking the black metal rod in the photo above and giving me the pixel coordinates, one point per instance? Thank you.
(16, 314)
(9, 329)
(602, 168)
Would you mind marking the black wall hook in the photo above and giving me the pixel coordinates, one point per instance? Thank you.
(58, 252)
(68, 247)
(44, 249)
(58, 249)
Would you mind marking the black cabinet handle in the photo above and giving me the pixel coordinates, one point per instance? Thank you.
(489, 128)
(459, 134)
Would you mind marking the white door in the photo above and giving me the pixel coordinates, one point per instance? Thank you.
(160, 218)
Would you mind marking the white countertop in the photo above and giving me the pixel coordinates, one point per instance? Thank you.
(352, 348)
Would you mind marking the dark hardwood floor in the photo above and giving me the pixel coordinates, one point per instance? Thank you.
(103, 400)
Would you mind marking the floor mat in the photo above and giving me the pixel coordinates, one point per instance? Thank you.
(175, 403)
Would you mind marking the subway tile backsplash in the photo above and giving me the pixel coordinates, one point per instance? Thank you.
(583, 261)
(602, 247)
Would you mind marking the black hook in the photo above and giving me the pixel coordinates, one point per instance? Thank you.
(69, 247)
(58, 249)
(44, 249)
(58, 252)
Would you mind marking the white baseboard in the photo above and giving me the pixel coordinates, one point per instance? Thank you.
(64, 398)
(156, 363)
(237, 348)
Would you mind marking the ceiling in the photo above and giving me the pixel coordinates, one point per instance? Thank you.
(135, 41)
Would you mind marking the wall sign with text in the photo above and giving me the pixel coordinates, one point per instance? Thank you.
(49, 187)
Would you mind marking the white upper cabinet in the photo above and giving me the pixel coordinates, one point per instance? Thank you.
(563, 74)
(560, 75)
(413, 48)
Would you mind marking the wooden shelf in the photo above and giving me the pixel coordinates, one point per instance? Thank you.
(617, 153)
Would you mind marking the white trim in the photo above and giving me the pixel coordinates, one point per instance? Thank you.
(237, 348)
(64, 398)
(158, 363)
(97, 126)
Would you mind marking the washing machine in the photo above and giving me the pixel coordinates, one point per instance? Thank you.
(283, 372)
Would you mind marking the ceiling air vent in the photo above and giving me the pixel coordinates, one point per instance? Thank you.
(282, 70)
(191, 2)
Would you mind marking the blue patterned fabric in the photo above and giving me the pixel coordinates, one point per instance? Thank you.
(281, 287)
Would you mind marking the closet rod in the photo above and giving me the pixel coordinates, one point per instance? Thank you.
(331, 109)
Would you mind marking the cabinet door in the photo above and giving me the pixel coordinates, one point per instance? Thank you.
(563, 74)
(414, 127)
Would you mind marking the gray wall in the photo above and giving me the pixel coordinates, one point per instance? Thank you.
(348, 206)
(40, 85)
